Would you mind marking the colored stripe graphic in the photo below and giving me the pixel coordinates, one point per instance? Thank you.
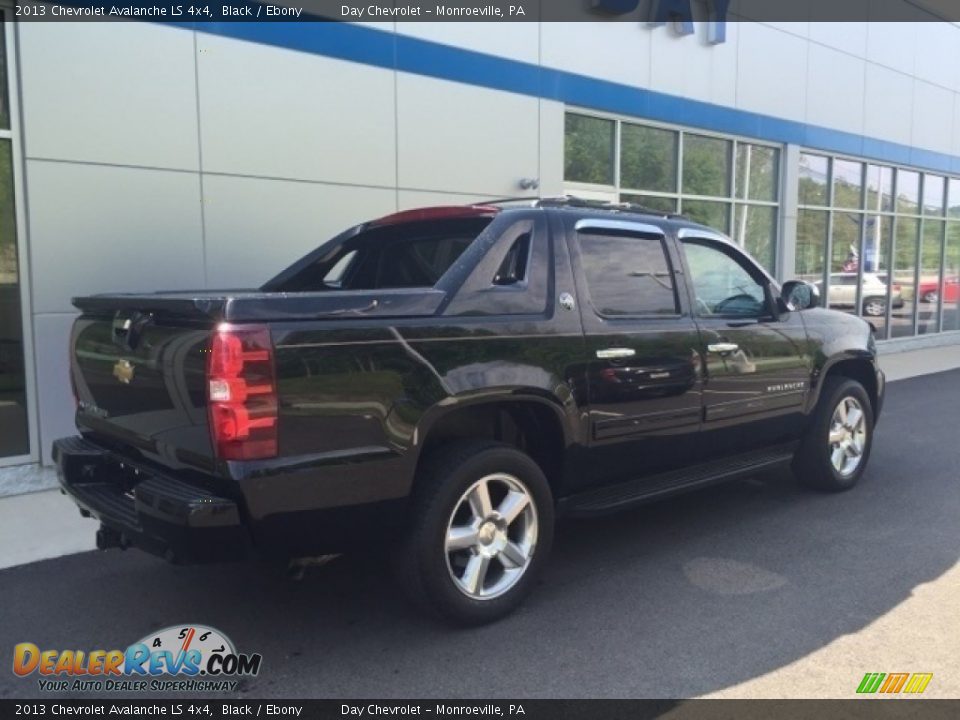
(894, 682)
(870, 682)
(918, 683)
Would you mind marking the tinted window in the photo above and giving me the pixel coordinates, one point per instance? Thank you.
(627, 275)
(722, 284)
(409, 255)
(513, 269)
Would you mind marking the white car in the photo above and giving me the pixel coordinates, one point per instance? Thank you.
(843, 293)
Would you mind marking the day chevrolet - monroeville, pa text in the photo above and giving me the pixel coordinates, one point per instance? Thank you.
(441, 384)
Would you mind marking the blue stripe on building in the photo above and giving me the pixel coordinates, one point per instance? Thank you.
(391, 51)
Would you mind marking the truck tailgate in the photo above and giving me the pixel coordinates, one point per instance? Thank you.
(140, 380)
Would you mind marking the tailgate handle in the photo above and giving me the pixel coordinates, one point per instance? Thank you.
(127, 330)
(121, 327)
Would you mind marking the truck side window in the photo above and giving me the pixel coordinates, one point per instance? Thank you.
(723, 286)
(513, 269)
(627, 275)
(334, 278)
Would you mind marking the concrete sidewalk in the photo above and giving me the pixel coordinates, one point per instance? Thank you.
(42, 525)
(45, 524)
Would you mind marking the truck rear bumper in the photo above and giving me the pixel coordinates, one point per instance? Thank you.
(138, 506)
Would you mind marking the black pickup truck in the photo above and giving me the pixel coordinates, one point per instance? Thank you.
(443, 383)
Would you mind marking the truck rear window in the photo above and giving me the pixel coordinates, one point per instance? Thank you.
(412, 255)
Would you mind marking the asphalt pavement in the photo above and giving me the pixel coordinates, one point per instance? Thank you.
(742, 589)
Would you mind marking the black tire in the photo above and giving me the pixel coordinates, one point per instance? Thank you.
(422, 562)
(813, 462)
(874, 307)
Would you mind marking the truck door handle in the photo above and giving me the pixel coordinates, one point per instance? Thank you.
(616, 353)
(723, 348)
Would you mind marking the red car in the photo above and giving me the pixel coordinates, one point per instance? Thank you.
(951, 290)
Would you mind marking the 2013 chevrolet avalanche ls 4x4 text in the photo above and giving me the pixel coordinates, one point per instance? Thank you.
(442, 383)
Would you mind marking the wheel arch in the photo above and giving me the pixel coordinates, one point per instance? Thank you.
(536, 425)
(856, 367)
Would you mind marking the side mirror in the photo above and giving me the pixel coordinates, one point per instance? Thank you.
(799, 295)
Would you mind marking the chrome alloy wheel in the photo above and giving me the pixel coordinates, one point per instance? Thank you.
(848, 436)
(491, 536)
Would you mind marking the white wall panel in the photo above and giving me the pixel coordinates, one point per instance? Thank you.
(552, 128)
(459, 138)
(692, 68)
(515, 40)
(51, 337)
(893, 44)
(835, 89)
(889, 99)
(256, 227)
(409, 199)
(773, 79)
(849, 37)
(616, 51)
(273, 112)
(121, 93)
(955, 144)
(932, 116)
(938, 54)
(96, 229)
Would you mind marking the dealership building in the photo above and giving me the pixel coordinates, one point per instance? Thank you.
(142, 156)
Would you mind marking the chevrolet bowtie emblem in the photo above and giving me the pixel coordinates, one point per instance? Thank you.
(123, 371)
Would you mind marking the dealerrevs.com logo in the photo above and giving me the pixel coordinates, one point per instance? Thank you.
(178, 658)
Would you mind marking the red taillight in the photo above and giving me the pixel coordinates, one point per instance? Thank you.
(242, 393)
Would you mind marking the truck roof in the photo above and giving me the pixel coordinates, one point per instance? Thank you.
(490, 208)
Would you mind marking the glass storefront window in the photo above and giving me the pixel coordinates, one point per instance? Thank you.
(653, 202)
(4, 102)
(706, 166)
(758, 172)
(755, 230)
(877, 235)
(730, 185)
(953, 198)
(589, 149)
(814, 179)
(14, 438)
(713, 214)
(888, 239)
(905, 275)
(933, 189)
(951, 278)
(14, 432)
(811, 245)
(648, 159)
(847, 184)
(929, 289)
(843, 292)
(879, 188)
(908, 192)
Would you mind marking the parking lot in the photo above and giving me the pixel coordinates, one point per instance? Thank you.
(757, 588)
